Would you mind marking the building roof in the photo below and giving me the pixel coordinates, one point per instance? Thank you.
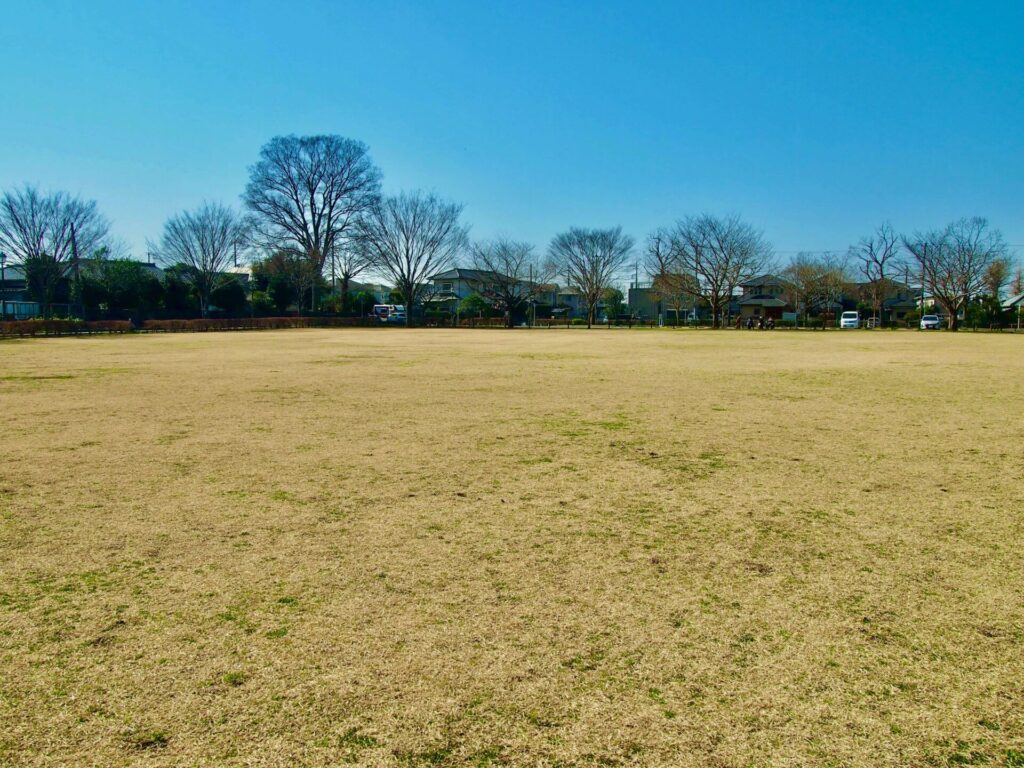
(355, 285)
(14, 273)
(897, 302)
(1014, 302)
(459, 273)
(765, 279)
(763, 301)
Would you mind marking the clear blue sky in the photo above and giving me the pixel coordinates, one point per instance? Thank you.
(815, 121)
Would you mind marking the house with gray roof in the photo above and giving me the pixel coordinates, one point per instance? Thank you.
(765, 296)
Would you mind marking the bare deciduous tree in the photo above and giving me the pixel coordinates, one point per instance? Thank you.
(306, 193)
(203, 242)
(47, 234)
(348, 260)
(953, 262)
(410, 237)
(879, 257)
(720, 253)
(816, 280)
(590, 259)
(513, 272)
(676, 289)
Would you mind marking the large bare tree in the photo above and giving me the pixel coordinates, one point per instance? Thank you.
(953, 262)
(879, 257)
(306, 193)
(203, 243)
(720, 253)
(48, 234)
(408, 238)
(590, 259)
(513, 272)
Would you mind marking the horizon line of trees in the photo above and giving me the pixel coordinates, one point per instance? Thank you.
(313, 208)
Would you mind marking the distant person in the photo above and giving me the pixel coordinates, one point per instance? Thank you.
(750, 323)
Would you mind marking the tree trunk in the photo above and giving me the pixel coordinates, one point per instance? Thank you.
(408, 297)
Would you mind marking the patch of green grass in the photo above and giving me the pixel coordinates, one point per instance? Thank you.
(433, 756)
(536, 460)
(713, 459)
(486, 757)
(36, 377)
(353, 738)
(585, 662)
(238, 618)
(155, 739)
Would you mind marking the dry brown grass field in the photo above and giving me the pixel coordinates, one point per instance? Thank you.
(553, 548)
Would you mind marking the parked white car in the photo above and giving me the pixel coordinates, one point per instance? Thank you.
(849, 320)
(930, 323)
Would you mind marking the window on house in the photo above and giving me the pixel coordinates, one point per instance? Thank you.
(446, 287)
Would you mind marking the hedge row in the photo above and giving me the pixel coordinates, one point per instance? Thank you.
(253, 323)
(76, 327)
(62, 327)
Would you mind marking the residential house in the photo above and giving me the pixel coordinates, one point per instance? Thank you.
(897, 299)
(648, 303)
(456, 284)
(381, 293)
(564, 301)
(14, 302)
(765, 296)
(449, 288)
(1015, 304)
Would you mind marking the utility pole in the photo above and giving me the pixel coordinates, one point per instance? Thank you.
(533, 303)
(906, 282)
(696, 282)
(924, 270)
(77, 267)
(3, 286)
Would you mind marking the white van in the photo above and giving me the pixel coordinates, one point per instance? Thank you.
(849, 320)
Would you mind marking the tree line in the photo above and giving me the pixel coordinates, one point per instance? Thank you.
(314, 218)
